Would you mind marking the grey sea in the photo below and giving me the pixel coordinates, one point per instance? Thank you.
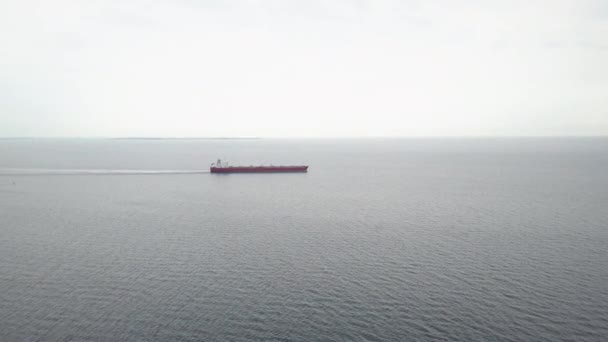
(480, 239)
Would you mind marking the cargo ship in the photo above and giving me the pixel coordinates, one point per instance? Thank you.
(218, 167)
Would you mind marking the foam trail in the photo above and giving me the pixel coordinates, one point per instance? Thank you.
(46, 172)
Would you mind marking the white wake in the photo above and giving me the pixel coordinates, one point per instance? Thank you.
(42, 172)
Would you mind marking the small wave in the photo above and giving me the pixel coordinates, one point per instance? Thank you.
(46, 172)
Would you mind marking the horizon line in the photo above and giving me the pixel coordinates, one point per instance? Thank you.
(299, 137)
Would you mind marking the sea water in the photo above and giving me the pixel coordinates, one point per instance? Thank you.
(479, 239)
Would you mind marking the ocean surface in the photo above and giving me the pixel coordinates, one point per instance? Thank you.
(478, 239)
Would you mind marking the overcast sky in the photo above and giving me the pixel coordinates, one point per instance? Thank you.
(303, 68)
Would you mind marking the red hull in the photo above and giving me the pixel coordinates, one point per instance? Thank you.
(258, 169)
